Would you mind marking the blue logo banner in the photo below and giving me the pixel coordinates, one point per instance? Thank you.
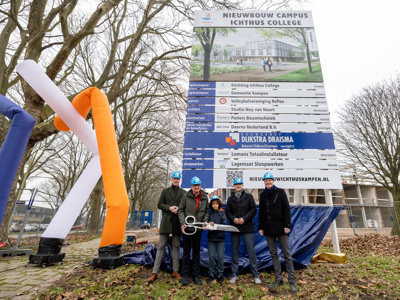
(202, 85)
(200, 101)
(201, 93)
(198, 153)
(198, 164)
(200, 126)
(206, 177)
(200, 118)
(257, 140)
(201, 109)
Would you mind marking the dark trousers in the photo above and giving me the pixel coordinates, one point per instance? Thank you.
(273, 250)
(191, 243)
(219, 248)
(248, 240)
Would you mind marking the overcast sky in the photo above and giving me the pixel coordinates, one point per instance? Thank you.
(359, 44)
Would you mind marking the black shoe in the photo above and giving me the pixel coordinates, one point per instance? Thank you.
(196, 280)
(185, 280)
(276, 283)
(210, 280)
(220, 279)
(293, 287)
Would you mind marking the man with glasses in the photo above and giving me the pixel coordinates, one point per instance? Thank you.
(240, 211)
(194, 203)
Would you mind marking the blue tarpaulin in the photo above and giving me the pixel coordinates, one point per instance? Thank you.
(309, 226)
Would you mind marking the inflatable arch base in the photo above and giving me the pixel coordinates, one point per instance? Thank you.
(109, 257)
(48, 252)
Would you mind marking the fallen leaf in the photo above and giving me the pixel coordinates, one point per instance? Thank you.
(362, 286)
(302, 282)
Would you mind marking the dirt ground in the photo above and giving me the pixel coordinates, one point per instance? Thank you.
(372, 272)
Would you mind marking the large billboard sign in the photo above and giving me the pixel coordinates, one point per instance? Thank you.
(257, 103)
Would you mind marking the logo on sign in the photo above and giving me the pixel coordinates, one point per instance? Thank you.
(208, 17)
(222, 100)
(207, 20)
(232, 138)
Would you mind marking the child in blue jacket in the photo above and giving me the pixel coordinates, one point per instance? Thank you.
(216, 240)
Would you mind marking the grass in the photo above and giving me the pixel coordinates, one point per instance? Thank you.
(197, 70)
(366, 276)
(301, 75)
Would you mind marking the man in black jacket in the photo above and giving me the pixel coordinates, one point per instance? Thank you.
(274, 221)
(240, 211)
(168, 203)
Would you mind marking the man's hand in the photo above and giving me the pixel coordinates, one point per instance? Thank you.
(241, 221)
(183, 227)
(173, 209)
(261, 232)
(287, 230)
(236, 221)
(204, 226)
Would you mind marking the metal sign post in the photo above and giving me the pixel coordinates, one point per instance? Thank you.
(15, 250)
(335, 239)
(28, 211)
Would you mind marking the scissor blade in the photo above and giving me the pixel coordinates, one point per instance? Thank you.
(226, 228)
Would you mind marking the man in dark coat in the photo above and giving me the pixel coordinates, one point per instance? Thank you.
(240, 211)
(168, 204)
(194, 203)
(274, 221)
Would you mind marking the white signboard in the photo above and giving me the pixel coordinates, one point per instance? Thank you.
(257, 109)
(259, 164)
(256, 93)
(253, 19)
(253, 89)
(265, 127)
(256, 118)
(291, 179)
(260, 154)
(257, 85)
(256, 101)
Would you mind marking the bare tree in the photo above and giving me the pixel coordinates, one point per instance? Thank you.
(109, 44)
(369, 135)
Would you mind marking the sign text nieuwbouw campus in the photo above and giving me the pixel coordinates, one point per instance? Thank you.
(257, 102)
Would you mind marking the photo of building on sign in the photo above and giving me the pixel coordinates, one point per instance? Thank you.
(255, 54)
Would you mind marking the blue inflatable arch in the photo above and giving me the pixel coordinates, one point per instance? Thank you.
(13, 147)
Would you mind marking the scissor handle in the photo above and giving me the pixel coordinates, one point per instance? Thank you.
(188, 218)
(190, 233)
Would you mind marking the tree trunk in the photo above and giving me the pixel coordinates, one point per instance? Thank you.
(207, 54)
(132, 214)
(308, 59)
(95, 209)
(396, 213)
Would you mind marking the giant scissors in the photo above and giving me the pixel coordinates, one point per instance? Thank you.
(191, 223)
